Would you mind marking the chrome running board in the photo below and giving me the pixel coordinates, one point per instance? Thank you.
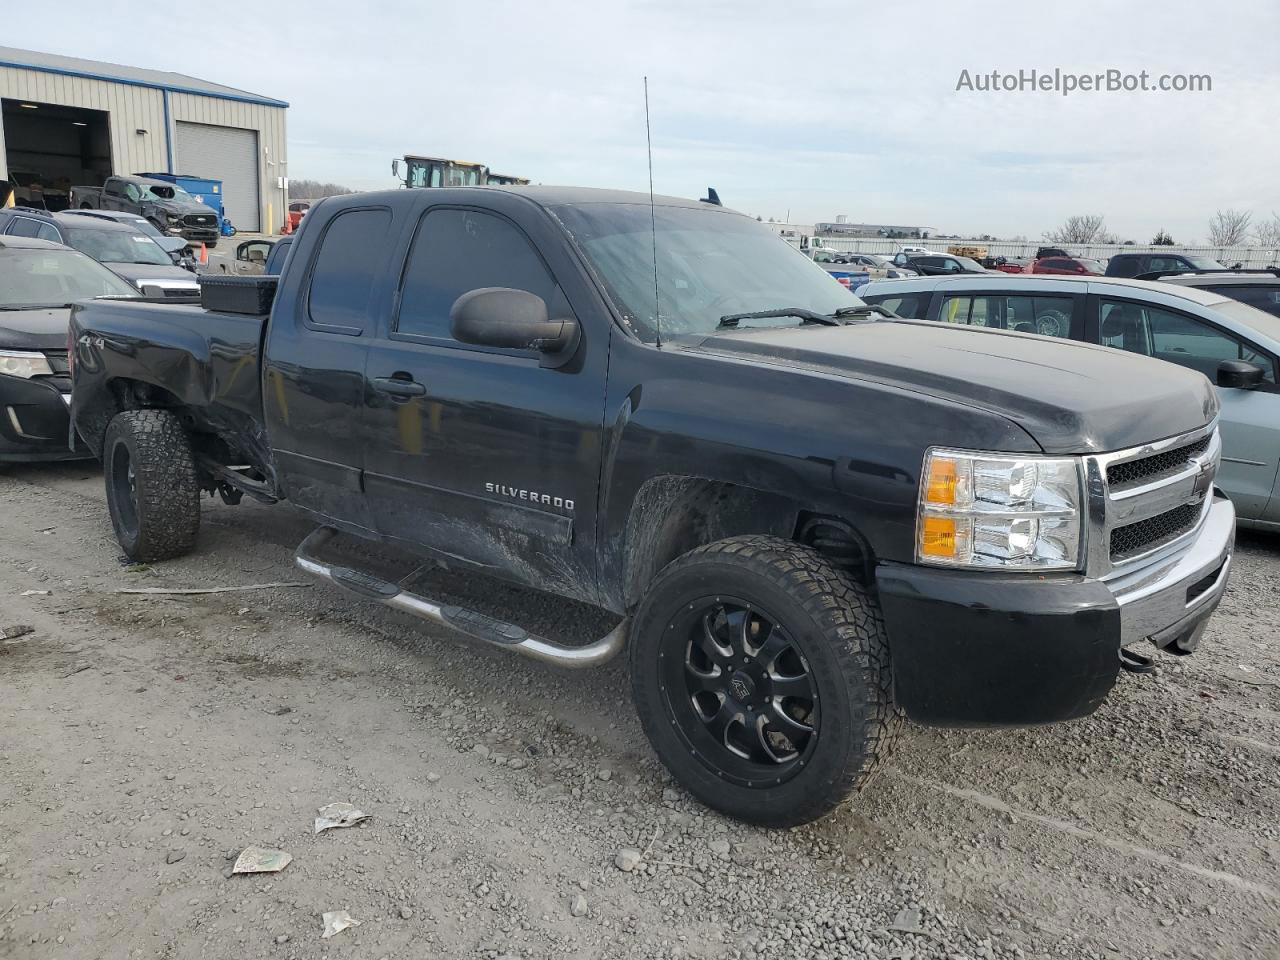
(478, 626)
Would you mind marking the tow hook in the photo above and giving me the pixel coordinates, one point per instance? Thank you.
(1136, 662)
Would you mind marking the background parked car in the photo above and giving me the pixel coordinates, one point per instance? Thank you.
(879, 268)
(1067, 265)
(941, 263)
(1135, 264)
(1258, 288)
(128, 252)
(1233, 344)
(1012, 264)
(250, 258)
(821, 255)
(297, 210)
(179, 250)
(165, 204)
(39, 281)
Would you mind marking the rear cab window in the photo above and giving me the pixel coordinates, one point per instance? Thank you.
(355, 246)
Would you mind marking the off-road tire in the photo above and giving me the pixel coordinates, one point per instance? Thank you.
(159, 520)
(839, 628)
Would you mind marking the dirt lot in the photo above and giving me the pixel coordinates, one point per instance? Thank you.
(145, 740)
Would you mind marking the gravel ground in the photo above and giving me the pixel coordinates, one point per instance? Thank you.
(517, 811)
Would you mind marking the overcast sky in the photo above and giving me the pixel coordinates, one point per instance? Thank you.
(816, 108)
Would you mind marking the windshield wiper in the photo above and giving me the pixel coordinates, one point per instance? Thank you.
(806, 316)
(866, 311)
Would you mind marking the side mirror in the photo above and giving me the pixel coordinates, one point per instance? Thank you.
(1240, 374)
(395, 168)
(514, 320)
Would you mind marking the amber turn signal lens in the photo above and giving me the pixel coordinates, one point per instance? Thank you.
(938, 537)
(942, 481)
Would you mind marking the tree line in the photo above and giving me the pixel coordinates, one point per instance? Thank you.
(315, 190)
(1227, 228)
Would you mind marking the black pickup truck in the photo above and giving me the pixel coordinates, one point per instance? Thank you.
(812, 519)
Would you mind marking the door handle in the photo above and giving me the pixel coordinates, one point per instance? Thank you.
(399, 387)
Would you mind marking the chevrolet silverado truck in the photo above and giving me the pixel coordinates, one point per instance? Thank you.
(812, 519)
(170, 209)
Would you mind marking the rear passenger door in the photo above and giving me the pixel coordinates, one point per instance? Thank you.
(477, 453)
(313, 380)
(1250, 420)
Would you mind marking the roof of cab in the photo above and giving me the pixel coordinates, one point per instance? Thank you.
(543, 196)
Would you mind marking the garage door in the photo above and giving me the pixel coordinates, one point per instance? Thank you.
(228, 154)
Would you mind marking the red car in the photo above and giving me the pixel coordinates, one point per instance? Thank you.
(1068, 265)
(1013, 264)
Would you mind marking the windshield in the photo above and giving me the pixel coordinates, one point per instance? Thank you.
(167, 191)
(973, 265)
(711, 263)
(52, 278)
(1093, 266)
(116, 246)
(1204, 263)
(142, 225)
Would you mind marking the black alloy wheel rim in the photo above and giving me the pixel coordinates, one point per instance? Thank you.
(739, 692)
(125, 483)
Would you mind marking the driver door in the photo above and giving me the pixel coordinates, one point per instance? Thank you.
(482, 454)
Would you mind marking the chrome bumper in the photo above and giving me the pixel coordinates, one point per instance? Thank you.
(1169, 602)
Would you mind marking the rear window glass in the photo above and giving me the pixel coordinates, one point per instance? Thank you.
(354, 248)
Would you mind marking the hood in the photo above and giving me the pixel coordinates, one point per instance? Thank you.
(152, 271)
(182, 207)
(1070, 397)
(35, 329)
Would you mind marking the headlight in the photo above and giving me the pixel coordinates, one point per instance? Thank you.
(990, 511)
(20, 363)
(173, 218)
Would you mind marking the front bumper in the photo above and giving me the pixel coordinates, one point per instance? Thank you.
(198, 234)
(34, 422)
(977, 649)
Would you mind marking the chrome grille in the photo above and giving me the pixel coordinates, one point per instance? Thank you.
(1146, 500)
(1122, 475)
(1152, 533)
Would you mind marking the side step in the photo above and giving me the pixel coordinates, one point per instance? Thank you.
(473, 624)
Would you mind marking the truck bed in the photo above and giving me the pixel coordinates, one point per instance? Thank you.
(206, 361)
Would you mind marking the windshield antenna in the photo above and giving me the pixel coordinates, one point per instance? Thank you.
(653, 219)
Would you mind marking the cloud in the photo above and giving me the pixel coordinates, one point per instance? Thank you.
(818, 108)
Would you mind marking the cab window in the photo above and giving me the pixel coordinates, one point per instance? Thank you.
(456, 251)
(352, 253)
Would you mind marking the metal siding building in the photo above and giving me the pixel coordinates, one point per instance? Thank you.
(79, 121)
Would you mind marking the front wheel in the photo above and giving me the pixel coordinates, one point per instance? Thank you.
(152, 492)
(761, 677)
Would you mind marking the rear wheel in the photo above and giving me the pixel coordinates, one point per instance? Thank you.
(761, 676)
(152, 492)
